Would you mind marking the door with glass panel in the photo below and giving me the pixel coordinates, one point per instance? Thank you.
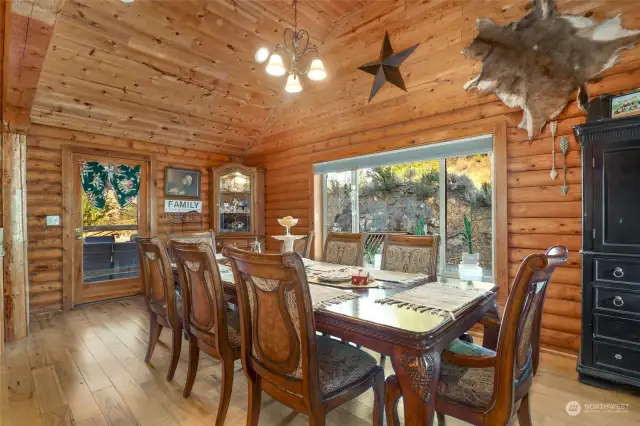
(110, 208)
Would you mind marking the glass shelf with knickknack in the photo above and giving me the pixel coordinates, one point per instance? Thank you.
(234, 202)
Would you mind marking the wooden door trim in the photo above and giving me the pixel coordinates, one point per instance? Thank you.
(69, 152)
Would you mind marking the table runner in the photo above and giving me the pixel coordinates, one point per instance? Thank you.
(435, 298)
(380, 275)
(321, 296)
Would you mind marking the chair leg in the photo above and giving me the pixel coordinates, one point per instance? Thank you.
(317, 418)
(255, 397)
(225, 392)
(441, 421)
(392, 395)
(194, 358)
(175, 351)
(154, 333)
(378, 398)
(524, 412)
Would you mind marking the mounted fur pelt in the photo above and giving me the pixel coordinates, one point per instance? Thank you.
(537, 62)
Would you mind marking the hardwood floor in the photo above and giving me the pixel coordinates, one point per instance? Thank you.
(86, 367)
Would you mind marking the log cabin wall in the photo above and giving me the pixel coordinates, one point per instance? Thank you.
(333, 117)
(44, 197)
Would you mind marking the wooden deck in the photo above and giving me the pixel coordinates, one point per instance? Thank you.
(86, 367)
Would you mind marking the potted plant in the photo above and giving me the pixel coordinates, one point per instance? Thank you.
(469, 268)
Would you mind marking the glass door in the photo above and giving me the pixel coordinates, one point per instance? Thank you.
(110, 210)
(235, 203)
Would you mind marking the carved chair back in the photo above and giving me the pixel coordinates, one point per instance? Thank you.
(277, 323)
(207, 237)
(412, 254)
(301, 246)
(157, 277)
(203, 304)
(344, 248)
(518, 349)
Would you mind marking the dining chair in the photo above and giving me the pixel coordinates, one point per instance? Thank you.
(483, 387)
(208, 237)
(281, 354)
(160, 295)
(207, 322)
(344, 248)
(412, 254)
(301, 246)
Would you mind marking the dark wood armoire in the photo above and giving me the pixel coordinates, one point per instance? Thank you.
(610, 251)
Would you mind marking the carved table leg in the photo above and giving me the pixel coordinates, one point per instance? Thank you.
(418, 378)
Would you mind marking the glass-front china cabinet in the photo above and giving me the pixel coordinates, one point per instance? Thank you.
(238, 205)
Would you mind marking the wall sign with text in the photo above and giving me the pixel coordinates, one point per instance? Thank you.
(182, 206)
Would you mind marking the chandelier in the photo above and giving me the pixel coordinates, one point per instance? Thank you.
(295, 48)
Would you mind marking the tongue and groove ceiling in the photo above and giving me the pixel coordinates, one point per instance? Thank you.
(173, 72)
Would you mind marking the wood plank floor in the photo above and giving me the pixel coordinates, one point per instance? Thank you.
(86, 367)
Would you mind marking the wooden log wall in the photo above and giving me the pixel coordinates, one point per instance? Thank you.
(44, 197)
(334, 116)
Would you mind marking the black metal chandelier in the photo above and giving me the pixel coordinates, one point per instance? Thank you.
(296, 48)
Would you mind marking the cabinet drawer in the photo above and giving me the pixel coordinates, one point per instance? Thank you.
(617, 270)
(617, 328)
(617, 358)
(617, 300)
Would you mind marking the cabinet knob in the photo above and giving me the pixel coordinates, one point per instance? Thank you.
(618, 357)
(618, 272)
(617, 301)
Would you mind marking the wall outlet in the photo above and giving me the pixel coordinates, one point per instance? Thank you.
(53, 220)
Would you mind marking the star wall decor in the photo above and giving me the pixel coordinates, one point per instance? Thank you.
(387, 67)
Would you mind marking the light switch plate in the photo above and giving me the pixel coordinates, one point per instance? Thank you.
(53, 220)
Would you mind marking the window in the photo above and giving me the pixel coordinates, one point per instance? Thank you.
(382, 194)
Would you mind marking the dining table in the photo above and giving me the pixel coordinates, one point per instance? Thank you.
(414, 340)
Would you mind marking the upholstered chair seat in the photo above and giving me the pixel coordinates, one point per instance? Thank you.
(341, 364)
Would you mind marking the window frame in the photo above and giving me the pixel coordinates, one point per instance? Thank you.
(442, 194)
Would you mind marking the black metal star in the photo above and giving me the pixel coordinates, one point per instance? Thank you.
(387, 68)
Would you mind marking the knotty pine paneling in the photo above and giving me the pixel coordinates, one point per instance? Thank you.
(334, 118)
(44, 197)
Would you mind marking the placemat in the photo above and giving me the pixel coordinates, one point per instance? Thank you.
(322, 296)
(435, 298)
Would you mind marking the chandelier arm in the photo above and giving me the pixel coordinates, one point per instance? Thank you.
(292, 36)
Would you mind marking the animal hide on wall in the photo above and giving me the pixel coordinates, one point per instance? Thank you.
(537, 62)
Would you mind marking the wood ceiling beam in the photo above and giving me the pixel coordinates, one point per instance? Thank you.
(29, 28)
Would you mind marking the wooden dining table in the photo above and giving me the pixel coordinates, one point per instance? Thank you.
(413, 340)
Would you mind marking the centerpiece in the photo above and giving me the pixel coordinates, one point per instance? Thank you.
(288, 222)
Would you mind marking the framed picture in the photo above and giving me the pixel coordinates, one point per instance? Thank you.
(625, 105)
(182, 183)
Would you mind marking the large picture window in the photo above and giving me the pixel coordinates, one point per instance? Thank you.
(450, 195)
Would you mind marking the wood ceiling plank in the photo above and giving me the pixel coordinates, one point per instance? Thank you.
(109, 70)
(172, 72)
(30, 26)
(92, 95)
(74, 122)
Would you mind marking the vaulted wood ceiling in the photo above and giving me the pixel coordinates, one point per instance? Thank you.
(179, 72)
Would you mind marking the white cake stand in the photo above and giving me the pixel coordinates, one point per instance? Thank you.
(288, 240)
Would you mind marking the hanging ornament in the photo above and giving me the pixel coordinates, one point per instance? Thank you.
(554, 128)
(387, 67)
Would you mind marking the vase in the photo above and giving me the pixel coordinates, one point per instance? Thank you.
(469, 270)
